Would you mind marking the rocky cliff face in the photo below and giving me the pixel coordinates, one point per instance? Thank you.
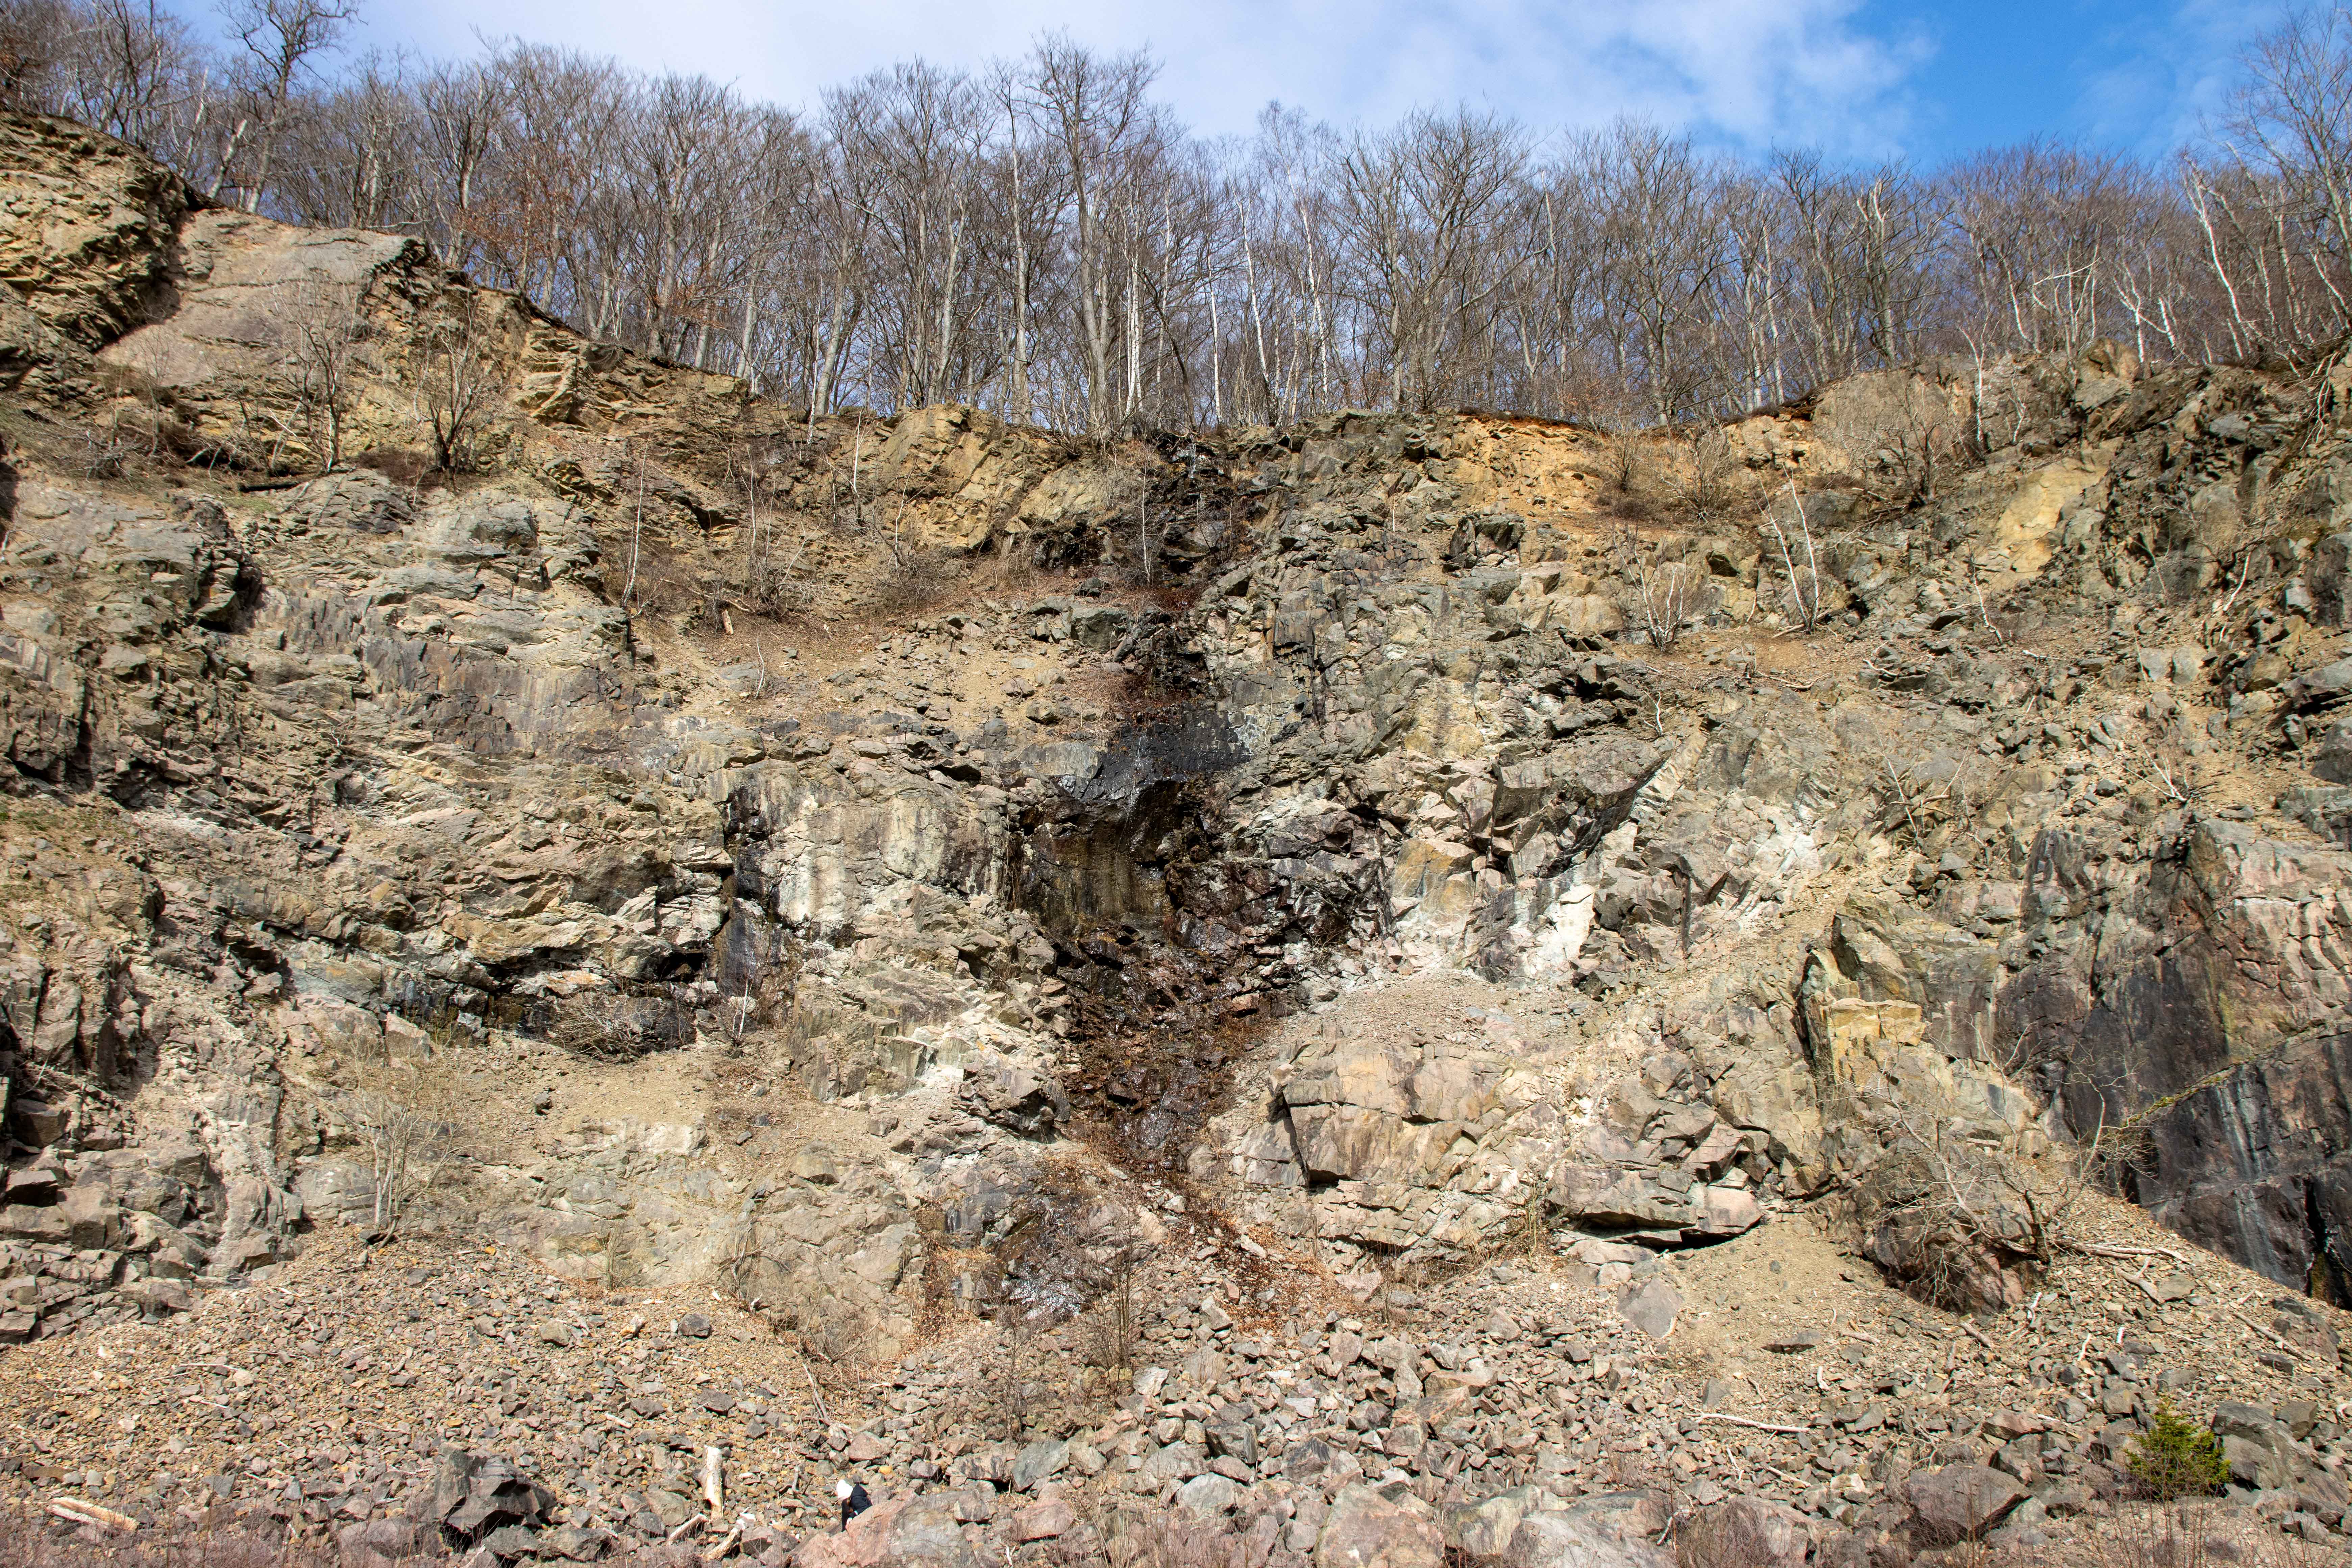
(888, 867)
(966, 896)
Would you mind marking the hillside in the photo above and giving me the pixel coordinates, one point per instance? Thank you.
(1402, 984)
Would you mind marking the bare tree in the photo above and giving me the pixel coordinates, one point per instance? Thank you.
(2271, 204)
(406, 1120)
(1800, 565)
(31, 39)
(461, 367)
(1046, 240)
(1661, 202)
(1094, 111)
(1669, 598)
(281, 41)
(130, 55)
(321, 330)
(1111, 1330)
(924, 132)
(1419, 211)
(2293, 117)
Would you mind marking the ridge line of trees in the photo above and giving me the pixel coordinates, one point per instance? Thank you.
(1046, 240)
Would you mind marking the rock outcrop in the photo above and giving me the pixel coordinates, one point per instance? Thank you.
(917, 876)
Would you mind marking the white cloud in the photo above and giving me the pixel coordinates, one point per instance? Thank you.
(1750, 71)
(2172, 73)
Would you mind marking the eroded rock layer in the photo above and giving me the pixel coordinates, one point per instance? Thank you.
(908, 873)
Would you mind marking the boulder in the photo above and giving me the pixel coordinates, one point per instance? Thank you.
(1609, 1530)
(1099, 626)
(2331, 755)
(474, 1497)
(27, 1222)
(1727, 1211)
(1211, 1495)
(2259, 1447)
(1958, 1502)
(1037, 1461)
(1599, 1196)
(1013, 1097)
(1484, 1530)
(509, 1541)
(1174, 1462)
(574, 1543)
(1365, 1529)
(914, 1530)
(1652, 1305)
(159, 1295)
(1755, 1533)
(1046, 1520)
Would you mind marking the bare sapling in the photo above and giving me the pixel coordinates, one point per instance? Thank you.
(459, 377)
(321, 336)
(1669, 600)
(1804, 589)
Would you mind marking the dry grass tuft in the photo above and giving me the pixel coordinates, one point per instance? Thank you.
(54, 1544)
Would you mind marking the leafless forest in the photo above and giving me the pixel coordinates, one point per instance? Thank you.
(1046, 239)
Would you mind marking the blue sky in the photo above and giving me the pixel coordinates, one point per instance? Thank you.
(2126, 73)
(1864, 79)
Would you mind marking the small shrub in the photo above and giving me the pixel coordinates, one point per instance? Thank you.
(2177, 1458)
(911, 577)
(1669, 597)
(1109, 1333)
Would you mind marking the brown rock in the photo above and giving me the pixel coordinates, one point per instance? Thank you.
(1754, 1531)
(1958, 1502)
(915, 1530)
(1044, 1521)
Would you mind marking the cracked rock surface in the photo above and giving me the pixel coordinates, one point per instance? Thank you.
(1313, 1025)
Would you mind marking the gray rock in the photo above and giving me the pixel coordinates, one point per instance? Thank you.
(1484, 1530)
(914, 1530)
(1651, 1305)
(2258, 1446)
(672, 1508)
(1366, 1529)
(574, 1543)
(384, 1542)
(1610, 1530)
(1211, 1495)
(1235, 1439)
(1173, 1462)
(1037, 1461)
(510, 1542)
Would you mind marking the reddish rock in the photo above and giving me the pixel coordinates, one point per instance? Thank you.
(1958, 1502)
(1044, 1521)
